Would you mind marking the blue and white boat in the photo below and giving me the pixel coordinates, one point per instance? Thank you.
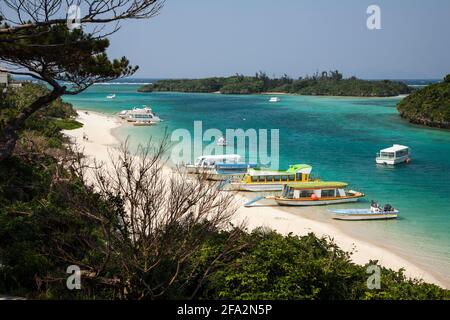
(220, 167)
(374, 213)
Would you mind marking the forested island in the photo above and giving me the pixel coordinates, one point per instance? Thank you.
(325, 83)
(429, 106)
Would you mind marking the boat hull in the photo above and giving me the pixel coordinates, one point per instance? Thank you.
(224, 177)
(363, 217)
(255, 187)
(213, 174)
(392, 161)
(310, 202)
(363, 214)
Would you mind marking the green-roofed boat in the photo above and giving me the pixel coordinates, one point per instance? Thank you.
(316, 193)
(260, 180)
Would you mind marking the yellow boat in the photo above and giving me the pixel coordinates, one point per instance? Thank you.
(260, 180)
(316, 193)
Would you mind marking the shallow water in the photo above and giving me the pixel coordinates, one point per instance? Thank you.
(339, 137)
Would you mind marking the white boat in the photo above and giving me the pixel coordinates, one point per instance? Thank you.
(274, 99)
(221, 142)
(123, 114)
(363, 214)
(111, 96)
(394, 155)
(374, 213)
(220, 167)
(144, 114)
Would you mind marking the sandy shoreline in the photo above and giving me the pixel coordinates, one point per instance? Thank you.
(98, 129)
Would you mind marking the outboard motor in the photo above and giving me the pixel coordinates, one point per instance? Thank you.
(388, 208)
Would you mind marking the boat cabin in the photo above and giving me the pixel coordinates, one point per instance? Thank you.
(393, 155)
(211, 160)
(314, 189)
(140, 114)
(295, 173)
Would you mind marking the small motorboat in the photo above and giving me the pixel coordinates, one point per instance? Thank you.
(111, 96)
(375, 212)
(274, 99)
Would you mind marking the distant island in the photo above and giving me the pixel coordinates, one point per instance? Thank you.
(325, 83)
(429, 106)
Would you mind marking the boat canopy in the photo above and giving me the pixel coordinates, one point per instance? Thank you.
(303, 168)
(317, 185)
(293, 169)
(226, 158)
(395, 148)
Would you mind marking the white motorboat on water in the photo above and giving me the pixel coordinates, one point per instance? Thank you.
(220, 167)
(111, 96)
(394, 155)
(140, 115)
(375, 212)
(274, 99)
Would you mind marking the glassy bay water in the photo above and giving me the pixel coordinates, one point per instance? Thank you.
(339, 137)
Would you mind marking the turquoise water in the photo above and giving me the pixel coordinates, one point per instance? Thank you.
(339, 137)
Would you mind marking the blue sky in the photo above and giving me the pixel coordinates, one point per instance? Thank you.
(198, 38)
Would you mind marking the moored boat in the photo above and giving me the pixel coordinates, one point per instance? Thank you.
(394, 155)
(144, 114)
(111, 96)
(274, 99)
(316, 193)
(260, 180)
(363, 214)
(220, 167)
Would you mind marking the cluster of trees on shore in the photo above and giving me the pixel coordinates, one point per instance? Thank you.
(325, 83)
(429, 106)
(137, 234)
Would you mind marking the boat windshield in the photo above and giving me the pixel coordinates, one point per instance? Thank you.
(387, 155)
(288, 192)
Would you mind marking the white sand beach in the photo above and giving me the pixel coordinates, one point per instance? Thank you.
(98, 127)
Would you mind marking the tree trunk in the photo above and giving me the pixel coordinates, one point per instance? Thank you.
(9, 135)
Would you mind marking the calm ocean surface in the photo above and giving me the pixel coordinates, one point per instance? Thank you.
(339, 137)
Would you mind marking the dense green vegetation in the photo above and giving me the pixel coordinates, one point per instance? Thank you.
(45, 125)
(272, 266)
(324, 84)
(429, 106)
(50, 218)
